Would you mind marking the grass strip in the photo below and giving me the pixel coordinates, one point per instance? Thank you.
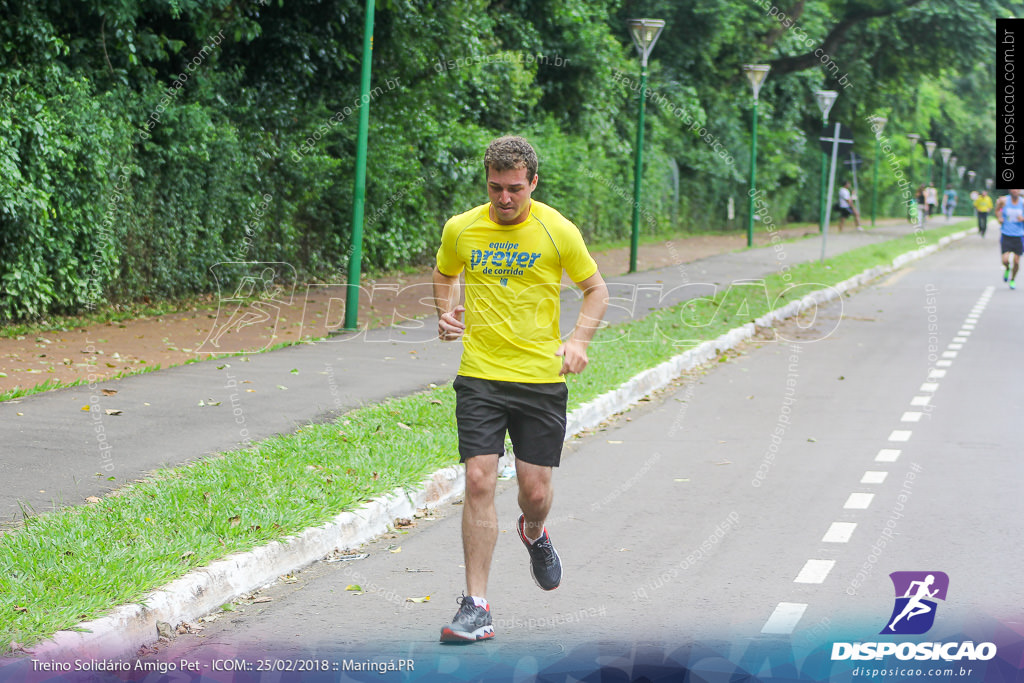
(77, 563)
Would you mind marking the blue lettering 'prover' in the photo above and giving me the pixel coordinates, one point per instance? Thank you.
(502, 255)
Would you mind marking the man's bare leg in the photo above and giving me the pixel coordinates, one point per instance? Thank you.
(479, 521)
(535, 496)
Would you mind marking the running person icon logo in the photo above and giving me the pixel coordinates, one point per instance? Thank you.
(916, 592)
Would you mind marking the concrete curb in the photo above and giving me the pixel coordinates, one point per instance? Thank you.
(204, 590)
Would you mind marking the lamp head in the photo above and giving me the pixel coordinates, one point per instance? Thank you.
(756, 73)
(825, 100)
(645, 34)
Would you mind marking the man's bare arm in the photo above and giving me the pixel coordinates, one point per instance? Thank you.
(595, 303)
(447, 294)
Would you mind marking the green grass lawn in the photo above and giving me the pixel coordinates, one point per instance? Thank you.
(77, 563)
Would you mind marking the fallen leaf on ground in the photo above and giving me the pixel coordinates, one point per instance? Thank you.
(113, 411)
(404, 426)
(85, 409)
(402, 523)
(425, 598)
(396, 550)
(108, 392)
(234, 520)
(19, 608)
(262, 598)
(92, 499)
(353, 587)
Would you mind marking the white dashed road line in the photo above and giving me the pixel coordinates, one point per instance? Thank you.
(787, 615)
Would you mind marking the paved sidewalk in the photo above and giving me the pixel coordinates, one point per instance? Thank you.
(54, 452)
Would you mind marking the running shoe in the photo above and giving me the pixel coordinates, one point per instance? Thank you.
(1013, 284)
(471, 623)
(1006, 274)
(545, 566)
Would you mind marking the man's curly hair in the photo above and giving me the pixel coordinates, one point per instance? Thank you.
(510, 152)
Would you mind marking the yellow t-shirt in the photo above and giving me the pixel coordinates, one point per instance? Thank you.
(513, 279)
(983, 204)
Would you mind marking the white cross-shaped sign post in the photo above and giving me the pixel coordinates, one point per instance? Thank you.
(836, 140)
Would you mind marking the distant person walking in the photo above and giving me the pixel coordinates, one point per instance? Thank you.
(922, 205)
(949, 201)
(931, 196)
(513, 251)
(846, 207)
(1010, 214)
(982, 204)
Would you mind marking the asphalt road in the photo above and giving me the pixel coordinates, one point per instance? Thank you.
(745, 520)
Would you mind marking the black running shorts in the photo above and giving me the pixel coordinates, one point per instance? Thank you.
(533, 415)
(1011, 243)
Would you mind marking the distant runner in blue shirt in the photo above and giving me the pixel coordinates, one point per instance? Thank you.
(1010, 214)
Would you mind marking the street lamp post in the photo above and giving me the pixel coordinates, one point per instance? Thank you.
(945, 152)
(355, 261)
(929, 147)
(825, 100)
(879, 123)
(645, 33)
(914, 138)
(756, 73)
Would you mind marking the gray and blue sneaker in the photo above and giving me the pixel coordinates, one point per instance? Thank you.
(471, 623)
(545, 566)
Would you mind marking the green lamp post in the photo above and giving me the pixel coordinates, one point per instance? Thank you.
(756, 73)
(929, 148)
(914, 138)
(645, 33)
(359, 195)
(825, 100)
(945, 152)
(879, 124)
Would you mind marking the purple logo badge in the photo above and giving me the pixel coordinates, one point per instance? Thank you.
(916, 593)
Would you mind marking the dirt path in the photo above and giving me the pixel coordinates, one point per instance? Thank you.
(102, 351)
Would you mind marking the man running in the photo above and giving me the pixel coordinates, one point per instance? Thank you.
(1010, 215)
(983, 204)
(511, 378)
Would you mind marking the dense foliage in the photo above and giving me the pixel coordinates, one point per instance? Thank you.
(143, 141)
